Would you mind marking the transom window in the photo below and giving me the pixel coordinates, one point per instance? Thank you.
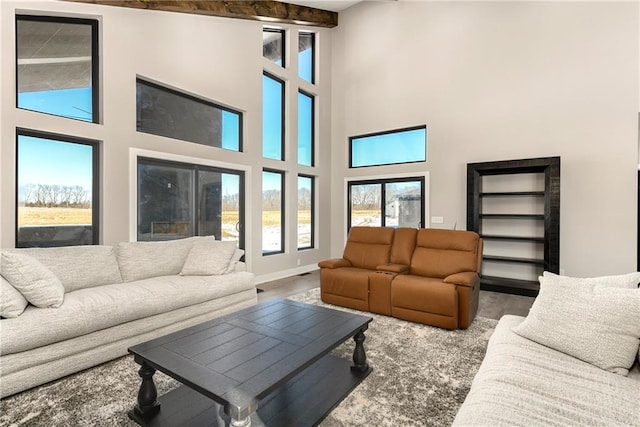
(306, 56)
(407, 145)
(273, 45)
(164, 111)
(57, 66)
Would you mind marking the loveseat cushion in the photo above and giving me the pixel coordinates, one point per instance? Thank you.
(347, 286)
(141, 260)
(78, 267)
(93, 309)
(368, 247)
(424, 300)
(440, 253)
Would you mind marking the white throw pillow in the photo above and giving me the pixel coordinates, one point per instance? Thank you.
(235, 259)
(34, 281)
(12, 303)
(630, 280)
(208, 257)
(594, 323)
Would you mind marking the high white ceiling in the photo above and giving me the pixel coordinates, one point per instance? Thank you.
(332, 5)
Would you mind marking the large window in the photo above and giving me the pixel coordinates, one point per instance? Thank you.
(395, 202)
(272, 117)
(177, 200)
(306, 132)
(272, 212)
(305, 212)
(306, 56)
(57, 66)
(167, 112)
(273, 45)
(57, 190)
(392, 147)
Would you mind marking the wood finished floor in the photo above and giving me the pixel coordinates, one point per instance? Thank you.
(493, 305)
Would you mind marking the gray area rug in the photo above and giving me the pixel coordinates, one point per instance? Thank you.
(421, 376)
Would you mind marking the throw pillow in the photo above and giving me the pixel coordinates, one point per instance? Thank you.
(235, 259)
(630, 280)
(208, 257)
(34, 281)
(597, 324)
(12, 303)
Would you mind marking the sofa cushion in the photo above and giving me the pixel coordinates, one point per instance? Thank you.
(141, 260)
(440, 253)
(522, 383)
(79, 267)
(368, 247)
(12, 303)
(93, 309)
(594, 323)
(208, 256)
(34, 281)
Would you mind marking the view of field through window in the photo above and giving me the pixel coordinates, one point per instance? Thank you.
(54, 191)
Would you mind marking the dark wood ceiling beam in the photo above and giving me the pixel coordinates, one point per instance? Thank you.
(264, 10)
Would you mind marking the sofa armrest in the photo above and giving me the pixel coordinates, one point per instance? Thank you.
(467, 278)
(393, 268)
(334, 263)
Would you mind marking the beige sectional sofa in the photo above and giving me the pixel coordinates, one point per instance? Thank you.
(573, 361)
(96, 301)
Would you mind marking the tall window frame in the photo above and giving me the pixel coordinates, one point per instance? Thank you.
(282, 205)
(95, 183)
(195, 170)
(302, 123)
(312, 210)
(266, 121)
(95, 63)
(382, 182)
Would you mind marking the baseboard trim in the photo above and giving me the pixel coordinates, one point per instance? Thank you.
(285, 273)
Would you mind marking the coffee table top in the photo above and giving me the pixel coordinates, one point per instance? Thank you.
(238, 359)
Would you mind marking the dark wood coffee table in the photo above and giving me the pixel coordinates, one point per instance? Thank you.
(265, 365)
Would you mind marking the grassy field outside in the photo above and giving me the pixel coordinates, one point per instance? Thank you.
(30, 216)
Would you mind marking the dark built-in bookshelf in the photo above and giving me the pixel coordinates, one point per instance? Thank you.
(549, 168)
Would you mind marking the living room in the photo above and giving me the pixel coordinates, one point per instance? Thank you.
(490, 81)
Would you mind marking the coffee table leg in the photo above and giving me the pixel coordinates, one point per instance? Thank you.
(147, 405)
(359, 356)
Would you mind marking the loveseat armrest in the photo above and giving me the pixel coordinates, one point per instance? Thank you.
(393, 268)
(334, 263)
(467, 278)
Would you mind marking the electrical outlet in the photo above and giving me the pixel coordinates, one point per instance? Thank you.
(437, 220)
(298, 261)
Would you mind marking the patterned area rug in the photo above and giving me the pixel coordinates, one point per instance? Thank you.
(421, 376)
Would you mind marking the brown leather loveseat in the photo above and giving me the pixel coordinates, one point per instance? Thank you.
(427, 275)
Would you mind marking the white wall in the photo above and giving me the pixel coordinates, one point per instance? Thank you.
(219, 59)
(501, 81)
